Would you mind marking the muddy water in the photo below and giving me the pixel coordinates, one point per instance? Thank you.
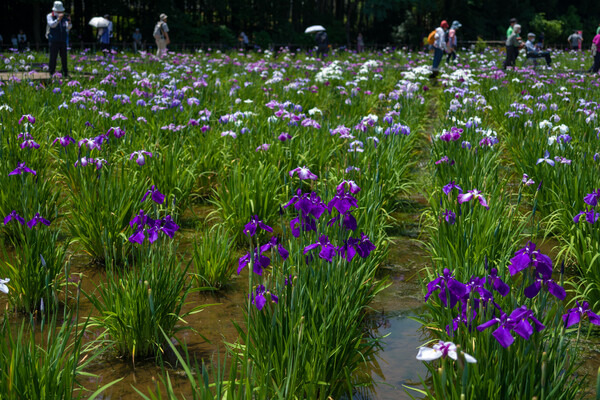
(394, 366)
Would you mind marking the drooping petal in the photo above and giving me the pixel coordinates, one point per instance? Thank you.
(503, 336)
(428, 354)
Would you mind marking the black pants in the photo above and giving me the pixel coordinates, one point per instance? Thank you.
(55, 48)
(541, 54)
(451, 56)
(596, 65)
(511, 56)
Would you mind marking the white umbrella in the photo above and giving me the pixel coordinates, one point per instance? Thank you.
(99, 22)
(314, 28)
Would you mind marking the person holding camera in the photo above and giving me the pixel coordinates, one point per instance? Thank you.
(57, 31)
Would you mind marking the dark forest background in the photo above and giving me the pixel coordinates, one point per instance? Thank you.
(282, 22)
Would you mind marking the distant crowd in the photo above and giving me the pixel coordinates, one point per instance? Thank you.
(443, 40)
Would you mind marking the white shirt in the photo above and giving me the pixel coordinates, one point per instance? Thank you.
(439, 39)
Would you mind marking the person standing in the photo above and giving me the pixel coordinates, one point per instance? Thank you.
(161, 35)
(575, 40)
(322, 43)
(513, 44)
(137, 40)
(452, 43)
(510, 29)
(596, 50)
(360, 43)
(22, 40)
(439, 45)
(58, 27)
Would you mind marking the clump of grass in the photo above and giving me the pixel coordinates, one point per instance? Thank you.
(45, 369)
(213, 258)
(34, 269)
(137, 302)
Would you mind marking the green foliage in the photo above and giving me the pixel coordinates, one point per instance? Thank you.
(553, 30)
(45, 369)
(134, 304)
(213, 258)
(34, 268)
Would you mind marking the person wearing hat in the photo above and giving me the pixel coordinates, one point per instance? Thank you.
(513, 44)
(510, 29)
(137, 40)
(534, 52)
(161, 35)
(57, 30)
(452, 42)
(439, 45)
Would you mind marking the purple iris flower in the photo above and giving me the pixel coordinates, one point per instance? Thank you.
(91, 144)
(255, 223)
(141, 219)
(258, 297)
(488, 141)
(452, 185)
(477, 285)
(167, 226)
(151, 228)
(592, 198)
(348, 250)
(444, 159)
(452, 135)
(342, 202)
(526, 181)
(303, 173)
(283, 253)
(529, 256)
(30, 144)
(308, 203)
(351, 185)
(473, 195)
(348, 221)
(64, 141)
(116, 131)
(84, 161)
(497, 283)
(573, 316)
(449, 216)
(21, 168)
(466, 145)
(260, 262)
(365, 246)
(13, 216)
(591, 216)
(306, 222)
(546, 159)
(449, 288)
(263, 147)
(157, 196)
(37, 219)
(140, 156)
(328, 250)
(284, 136)
(517, 321)
(555, 289)
(27, 117)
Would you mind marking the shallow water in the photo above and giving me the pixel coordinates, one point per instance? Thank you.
(391, 317)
